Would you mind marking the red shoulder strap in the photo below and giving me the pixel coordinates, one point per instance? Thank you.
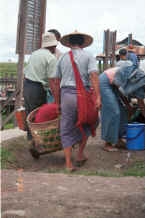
(77, 73)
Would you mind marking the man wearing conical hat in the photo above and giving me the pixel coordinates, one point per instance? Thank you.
(87, 67)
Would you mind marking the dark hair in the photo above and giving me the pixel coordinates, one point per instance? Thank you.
(76, 40)
(56, 33)
(117, 57)
(123, 52)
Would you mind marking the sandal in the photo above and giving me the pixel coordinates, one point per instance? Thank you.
(110, 149)
(71, 169)
(121, 144)
(80, 163)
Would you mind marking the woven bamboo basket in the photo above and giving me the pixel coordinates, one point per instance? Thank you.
(46, 135)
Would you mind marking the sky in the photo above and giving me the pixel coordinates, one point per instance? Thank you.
(88, 16)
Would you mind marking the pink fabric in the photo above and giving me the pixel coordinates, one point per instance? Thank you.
(111, 73)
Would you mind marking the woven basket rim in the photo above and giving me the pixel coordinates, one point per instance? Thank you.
(47, 122)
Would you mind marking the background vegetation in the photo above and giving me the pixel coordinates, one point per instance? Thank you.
(8, 68)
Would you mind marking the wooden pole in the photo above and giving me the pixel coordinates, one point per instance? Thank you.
(104, 60)
(20, 77)
(42, 18)
(106, 49)
(20, 74)
(113, 48)
(130, 39)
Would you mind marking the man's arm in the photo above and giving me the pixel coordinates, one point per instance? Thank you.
(55, 89)
(141, 105)
(95, 85)
(54, 80)
(125, 101)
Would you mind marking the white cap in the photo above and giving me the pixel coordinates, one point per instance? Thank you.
(48, 40)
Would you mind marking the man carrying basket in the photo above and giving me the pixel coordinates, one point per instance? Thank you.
(41, 67)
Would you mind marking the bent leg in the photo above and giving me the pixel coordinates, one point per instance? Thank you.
(110, 112)
(68, 153)
(34, 96)
(81, 156)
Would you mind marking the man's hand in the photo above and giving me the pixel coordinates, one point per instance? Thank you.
(143, 111)
(141, 105)
(55, 89)
(98, 103)
(95, 85)
(131, 111)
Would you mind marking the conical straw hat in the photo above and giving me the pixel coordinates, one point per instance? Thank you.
(87, 39)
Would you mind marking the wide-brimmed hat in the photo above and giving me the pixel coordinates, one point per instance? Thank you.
(87, 39)
(48, 40)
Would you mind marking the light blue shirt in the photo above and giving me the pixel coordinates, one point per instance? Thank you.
(41, 67)
(85, 64)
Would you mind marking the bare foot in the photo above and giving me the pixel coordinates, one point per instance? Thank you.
(108, 147)
(121, 144)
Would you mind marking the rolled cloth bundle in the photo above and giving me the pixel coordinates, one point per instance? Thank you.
(46, 113)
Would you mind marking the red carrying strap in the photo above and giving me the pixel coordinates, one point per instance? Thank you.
(80, 88)
(82, 99)
(79, 85)
(77, 73)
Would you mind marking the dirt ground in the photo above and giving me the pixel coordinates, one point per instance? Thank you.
(42, 188)
(75, 196)
(100, 161)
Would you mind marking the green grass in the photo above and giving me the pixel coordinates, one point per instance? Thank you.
(138, 170)
(6, 157)
(10, 68)
(10, 124)
(97, 173)
(130, 172)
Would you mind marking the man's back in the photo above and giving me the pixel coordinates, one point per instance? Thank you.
(132, 57)
(41, 66)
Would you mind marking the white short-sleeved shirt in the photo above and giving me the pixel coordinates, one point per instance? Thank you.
(85, 63)
(41, 66)
(142, 65)
(124, 63)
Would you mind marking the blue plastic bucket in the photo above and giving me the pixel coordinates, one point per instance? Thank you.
(135, 136)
